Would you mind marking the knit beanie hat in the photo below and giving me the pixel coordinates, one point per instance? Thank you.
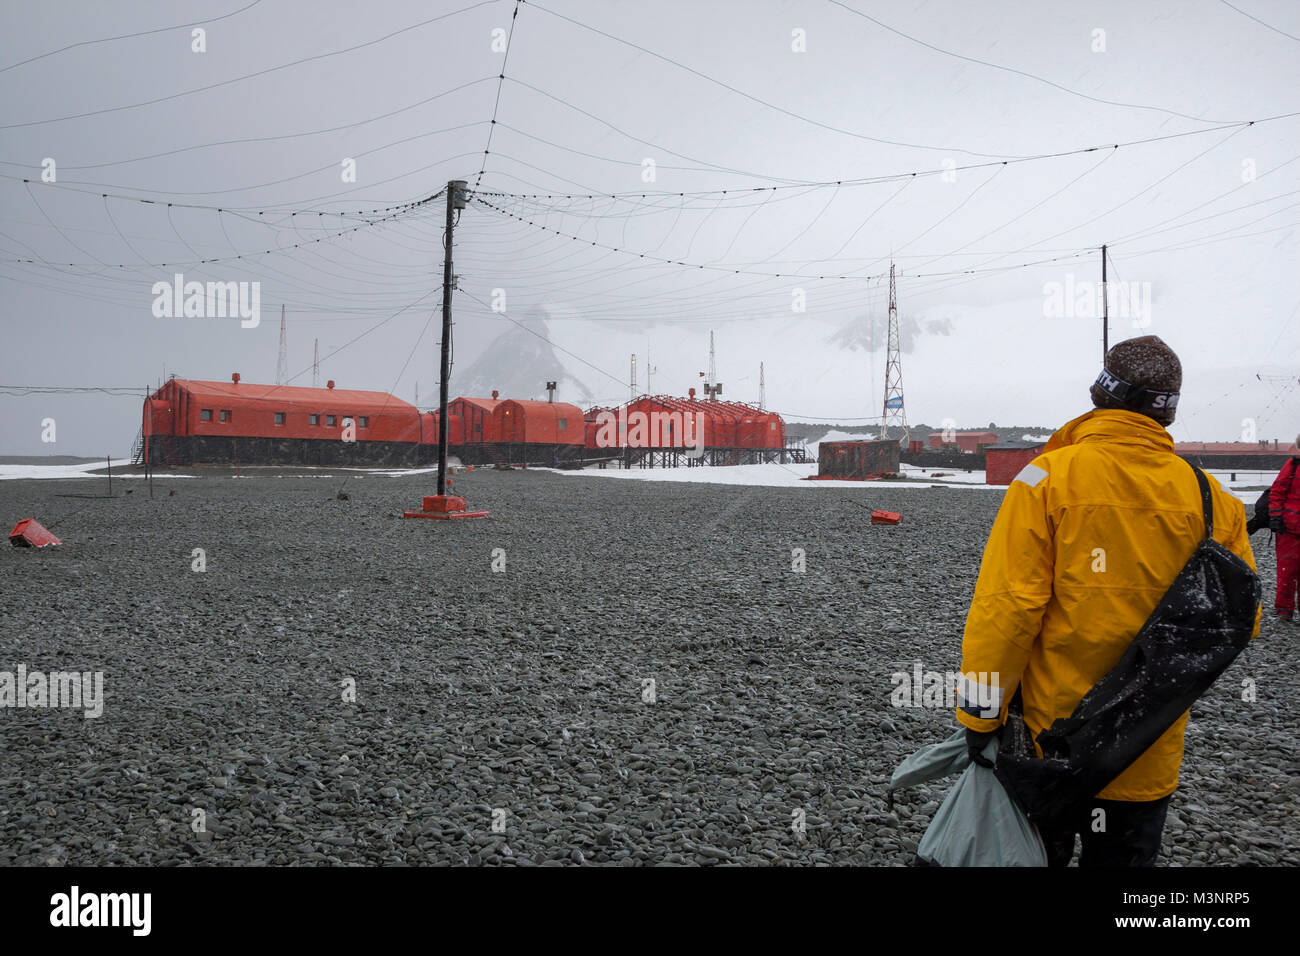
(1142, 375)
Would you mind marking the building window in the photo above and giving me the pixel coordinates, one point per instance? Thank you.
(313, 419)
(363, 421)
(205, 415)
(563, 424)
(279, 418)
(330, 420)
(225, 414)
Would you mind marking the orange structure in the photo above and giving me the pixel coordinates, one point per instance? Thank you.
(189, 420)
(542, 423)
(1003, 462)
(476, 414)
(665, 429)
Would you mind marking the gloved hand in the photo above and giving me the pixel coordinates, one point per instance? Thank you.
(975, 744)
(1276, 524)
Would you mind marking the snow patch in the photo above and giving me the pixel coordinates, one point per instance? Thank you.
(84, 470)
(768, 476)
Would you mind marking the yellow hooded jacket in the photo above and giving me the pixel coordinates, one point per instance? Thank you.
(1089, 537)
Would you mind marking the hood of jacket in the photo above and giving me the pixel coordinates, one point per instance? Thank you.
(1112, 425)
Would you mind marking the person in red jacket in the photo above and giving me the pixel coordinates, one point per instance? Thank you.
(1284, 521)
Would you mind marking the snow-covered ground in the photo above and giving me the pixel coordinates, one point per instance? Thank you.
(1246, 485)
(792, 476)
(94, 469)
(772, 475)
(945, 475)
(83, 470)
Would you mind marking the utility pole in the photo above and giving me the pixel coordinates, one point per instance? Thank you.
(650, 370)
(632, 386)
(315, 364)
(762, 387)
(444, 506)
(282, 363)
(455, 200)
(1105, 310)
(893, 409)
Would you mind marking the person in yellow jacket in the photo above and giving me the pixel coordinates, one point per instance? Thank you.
(1088, 538)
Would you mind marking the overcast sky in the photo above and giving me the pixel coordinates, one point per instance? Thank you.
(725, 95)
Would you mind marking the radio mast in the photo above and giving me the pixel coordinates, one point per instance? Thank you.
(893, 411)
(282, 363)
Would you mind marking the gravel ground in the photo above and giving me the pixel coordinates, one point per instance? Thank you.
(519, 695)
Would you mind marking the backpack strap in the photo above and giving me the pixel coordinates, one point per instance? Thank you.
(1207, 501)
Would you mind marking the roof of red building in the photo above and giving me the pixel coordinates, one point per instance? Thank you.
(1232, 448)
(487, 404)
(354, 399)
(734, 411)
(530, 405)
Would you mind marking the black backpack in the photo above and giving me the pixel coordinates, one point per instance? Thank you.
(1201, 624)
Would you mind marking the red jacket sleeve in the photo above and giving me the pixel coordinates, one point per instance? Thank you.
(1277, 495)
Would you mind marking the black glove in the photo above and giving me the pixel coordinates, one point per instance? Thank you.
(975, 744)
(1276, 524)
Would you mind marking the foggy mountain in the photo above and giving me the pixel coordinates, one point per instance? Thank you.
(518, 364)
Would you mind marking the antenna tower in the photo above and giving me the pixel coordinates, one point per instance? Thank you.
(893, 410)
(282, 363)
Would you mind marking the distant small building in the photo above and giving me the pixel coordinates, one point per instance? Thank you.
(968, 442)
(857, 459)
(1003, 462)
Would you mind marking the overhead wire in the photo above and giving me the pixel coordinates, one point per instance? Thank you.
(128, 36)
(1008, 69)
(532, 4)
(1289, 36)
(246, 76)
(496, 104)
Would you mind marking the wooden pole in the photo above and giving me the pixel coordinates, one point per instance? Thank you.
(453, 190)
(1105, 311)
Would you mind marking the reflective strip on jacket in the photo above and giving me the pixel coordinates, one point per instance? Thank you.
(1089, 537)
